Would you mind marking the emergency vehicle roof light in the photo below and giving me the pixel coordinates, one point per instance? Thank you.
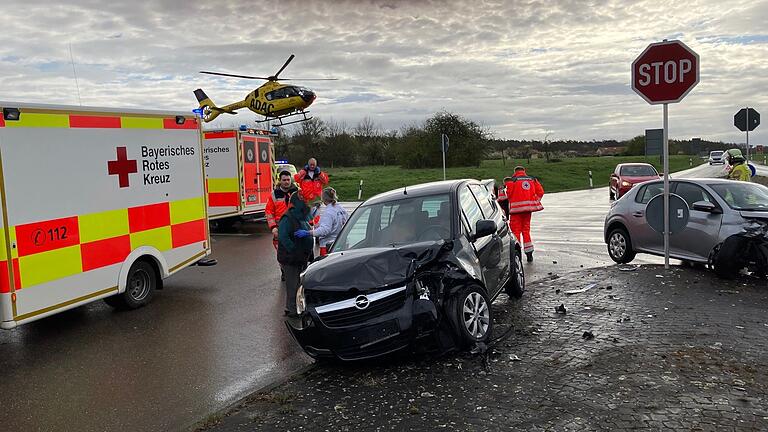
(11, 114)
(180, 120)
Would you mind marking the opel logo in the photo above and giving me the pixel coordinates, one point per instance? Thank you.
(361, 302)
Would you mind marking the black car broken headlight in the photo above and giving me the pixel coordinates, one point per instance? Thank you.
(301, 303)
(422, 290)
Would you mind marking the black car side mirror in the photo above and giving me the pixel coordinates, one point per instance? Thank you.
(483, 228)
(706, 206)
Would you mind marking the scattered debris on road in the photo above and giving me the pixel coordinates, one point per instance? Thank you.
(588, 335)
(560, 309)
(585, 289)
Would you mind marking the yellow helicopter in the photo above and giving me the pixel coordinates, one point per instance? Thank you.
(273, 100)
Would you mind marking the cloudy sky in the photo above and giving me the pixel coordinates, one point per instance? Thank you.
(520, 68)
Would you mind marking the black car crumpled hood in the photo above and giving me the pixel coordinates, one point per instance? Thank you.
(369, 268)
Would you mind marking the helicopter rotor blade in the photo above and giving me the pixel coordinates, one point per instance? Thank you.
(309, 79)
(233, 75)
(285, 65)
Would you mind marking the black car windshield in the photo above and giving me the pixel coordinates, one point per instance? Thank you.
(638, 171)
(398, 222)
(743, 195)
(716, 153)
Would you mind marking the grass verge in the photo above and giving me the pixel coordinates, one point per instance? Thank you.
(568, 174)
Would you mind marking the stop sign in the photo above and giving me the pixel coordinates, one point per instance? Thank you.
(665, 72)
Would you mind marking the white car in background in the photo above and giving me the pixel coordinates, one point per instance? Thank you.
(716, 157)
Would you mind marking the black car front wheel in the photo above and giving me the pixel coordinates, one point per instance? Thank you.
(470, 311)
(620, 246)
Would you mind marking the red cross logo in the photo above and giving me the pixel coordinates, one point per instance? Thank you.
(122, 166)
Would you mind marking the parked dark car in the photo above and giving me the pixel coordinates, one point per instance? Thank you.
(414, 267)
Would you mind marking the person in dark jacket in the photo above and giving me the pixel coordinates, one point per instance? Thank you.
(293, 252)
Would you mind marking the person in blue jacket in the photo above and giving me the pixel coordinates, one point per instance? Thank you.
(293, 252)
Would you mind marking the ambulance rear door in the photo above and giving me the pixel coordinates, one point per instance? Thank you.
(223, 173)
(257, 173)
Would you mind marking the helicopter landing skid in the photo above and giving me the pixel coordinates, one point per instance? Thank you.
(281, 118)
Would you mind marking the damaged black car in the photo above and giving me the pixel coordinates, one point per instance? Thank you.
(414, 268)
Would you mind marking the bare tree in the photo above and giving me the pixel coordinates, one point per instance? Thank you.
(546, 144)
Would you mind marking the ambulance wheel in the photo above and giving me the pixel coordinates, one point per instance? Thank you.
(226, 224)
(140, 286)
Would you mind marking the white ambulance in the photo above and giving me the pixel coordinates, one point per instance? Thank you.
(96, 203)
(239, 168)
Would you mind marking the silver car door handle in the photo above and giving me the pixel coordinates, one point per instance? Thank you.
(637, 214)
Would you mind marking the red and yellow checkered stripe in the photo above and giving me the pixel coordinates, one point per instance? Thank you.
(53, 120)
(54, 249)
(223, 192)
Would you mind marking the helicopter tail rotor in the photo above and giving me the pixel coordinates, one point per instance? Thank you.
(210, 110)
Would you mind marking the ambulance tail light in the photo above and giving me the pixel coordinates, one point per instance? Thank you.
(11, 114)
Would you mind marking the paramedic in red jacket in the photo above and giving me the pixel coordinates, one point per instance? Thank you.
(501, 196)
(278, 203)
(524, 197)
(311, 181)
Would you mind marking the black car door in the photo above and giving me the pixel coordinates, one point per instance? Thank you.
(488, 249)
(500, 240)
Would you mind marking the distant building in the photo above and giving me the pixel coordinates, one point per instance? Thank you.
(610, 151)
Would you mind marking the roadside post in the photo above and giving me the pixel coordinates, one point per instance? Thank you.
(690, 162)
(444, 147)
(360, 190)
(664, 73)
(590, 179)
(747, 119)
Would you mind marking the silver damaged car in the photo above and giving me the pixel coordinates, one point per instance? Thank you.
(719, 210)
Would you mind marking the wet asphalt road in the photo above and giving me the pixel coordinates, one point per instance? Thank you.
(212, 336)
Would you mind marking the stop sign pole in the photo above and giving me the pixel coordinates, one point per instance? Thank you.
(662, 74)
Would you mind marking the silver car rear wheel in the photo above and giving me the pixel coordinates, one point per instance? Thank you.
(620, 246)
(617, 245)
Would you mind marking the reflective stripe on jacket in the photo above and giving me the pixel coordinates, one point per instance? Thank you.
(524, 194)
(311, 187)
(502, 194)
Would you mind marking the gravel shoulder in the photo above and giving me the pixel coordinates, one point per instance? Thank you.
(644, 348)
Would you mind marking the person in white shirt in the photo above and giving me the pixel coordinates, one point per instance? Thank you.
(333, 218)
